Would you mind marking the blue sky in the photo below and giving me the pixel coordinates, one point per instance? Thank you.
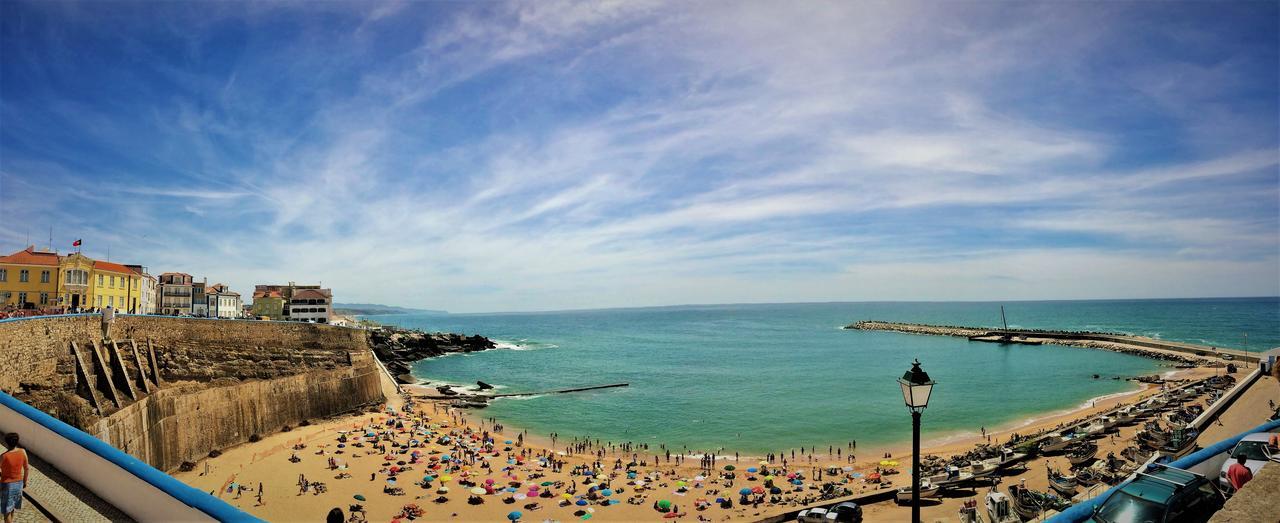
(547, 155)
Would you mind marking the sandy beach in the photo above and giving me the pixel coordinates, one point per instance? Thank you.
(461, 451)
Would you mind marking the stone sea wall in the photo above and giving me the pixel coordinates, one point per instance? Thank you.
(220, 381)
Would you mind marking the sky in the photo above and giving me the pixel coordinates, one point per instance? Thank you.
(491, 156)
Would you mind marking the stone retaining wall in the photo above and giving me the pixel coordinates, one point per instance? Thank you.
(221, 380)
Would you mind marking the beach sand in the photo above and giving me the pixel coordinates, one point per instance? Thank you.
(267, 462)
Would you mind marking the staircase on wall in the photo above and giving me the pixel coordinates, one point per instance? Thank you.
(113, 373)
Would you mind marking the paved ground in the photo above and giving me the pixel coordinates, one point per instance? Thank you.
(67, 500)
(1249, 410)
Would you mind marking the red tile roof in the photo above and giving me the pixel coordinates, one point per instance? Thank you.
(30, 256)
(113, 267)
(267, 294)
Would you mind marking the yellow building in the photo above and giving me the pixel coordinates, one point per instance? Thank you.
(93, 283)
(29, 279)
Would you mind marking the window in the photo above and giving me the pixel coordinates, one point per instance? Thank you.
(4, 274)
(44, 296)
(97, 300)
(44, 276)
(24, 275)
(99, 279)
(22, 298)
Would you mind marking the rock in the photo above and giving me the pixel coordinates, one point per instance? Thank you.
(406, 379)
(483, 386)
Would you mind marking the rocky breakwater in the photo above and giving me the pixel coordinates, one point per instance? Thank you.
(399, 348)
(916, 328)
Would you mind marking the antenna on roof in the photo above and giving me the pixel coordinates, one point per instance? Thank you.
(50, 238)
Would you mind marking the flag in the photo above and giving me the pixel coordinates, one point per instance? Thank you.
(75, 243)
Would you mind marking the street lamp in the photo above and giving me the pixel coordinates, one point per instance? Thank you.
(916, 387)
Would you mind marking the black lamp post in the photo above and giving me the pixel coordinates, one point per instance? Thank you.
(916, 387)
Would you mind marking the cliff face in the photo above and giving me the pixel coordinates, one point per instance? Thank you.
(172, 389)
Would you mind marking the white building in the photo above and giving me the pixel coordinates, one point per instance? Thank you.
(222, 303)
(148, 290)
(315, 305)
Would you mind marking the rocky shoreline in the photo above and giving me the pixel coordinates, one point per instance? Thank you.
(400, 348)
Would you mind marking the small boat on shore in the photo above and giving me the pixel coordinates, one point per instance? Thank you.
(1009, 458)
(927, 490)
(1031, 504)
(969, 512)
(1000, 509)
(1082, 453)
(1136, 454)
(1057, 442)
(1181, 443)
(952, 477)
(1065, 485)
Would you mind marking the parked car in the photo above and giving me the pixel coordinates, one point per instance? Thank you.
(812, 515)
(1166, 495)
(1255, 450)
(847, 512)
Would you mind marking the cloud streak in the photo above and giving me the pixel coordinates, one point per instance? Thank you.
(515, 156)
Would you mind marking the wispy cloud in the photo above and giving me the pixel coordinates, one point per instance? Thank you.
(568, 154)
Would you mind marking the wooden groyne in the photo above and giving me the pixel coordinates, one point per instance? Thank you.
(1150, 347)
(486, 397)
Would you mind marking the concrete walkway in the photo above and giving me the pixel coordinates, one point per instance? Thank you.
(64, 498)
(1249, 410)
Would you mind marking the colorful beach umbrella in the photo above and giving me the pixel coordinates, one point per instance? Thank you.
(514, 515)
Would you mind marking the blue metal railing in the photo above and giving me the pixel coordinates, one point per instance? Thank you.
(1084, 510)
(199, 500)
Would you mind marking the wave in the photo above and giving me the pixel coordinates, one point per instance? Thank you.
(520, 398)
(522, 345)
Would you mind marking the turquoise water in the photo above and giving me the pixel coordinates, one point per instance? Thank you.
(757, 378)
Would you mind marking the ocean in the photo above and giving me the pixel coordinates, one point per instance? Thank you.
(760, 378)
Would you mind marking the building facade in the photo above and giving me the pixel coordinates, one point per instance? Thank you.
(199, 299)
(29, 279)
(175, 294)
(311, 305)
(222, 302)
(267, 304)
(114, 285)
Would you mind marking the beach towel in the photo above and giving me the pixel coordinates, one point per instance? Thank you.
(10, 497)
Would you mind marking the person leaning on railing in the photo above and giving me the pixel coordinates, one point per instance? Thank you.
(13, 476)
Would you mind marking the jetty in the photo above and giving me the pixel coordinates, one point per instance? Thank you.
(1150, 347)
(486, 397)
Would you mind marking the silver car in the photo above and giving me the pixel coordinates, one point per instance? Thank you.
(1255, 450)
(812, 515)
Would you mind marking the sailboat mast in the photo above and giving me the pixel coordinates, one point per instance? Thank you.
(1002, 319)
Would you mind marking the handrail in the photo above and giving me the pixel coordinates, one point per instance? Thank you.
(201, 501)
(1084, 509)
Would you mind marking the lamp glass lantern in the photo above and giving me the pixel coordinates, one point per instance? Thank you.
(916, 387)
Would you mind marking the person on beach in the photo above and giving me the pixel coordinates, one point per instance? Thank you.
(108, 316)
(14, 470)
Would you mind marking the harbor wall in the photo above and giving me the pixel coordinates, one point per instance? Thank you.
(220, 381)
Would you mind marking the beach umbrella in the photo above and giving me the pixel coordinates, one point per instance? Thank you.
(699, 478)
(514, 515)
(507, 442)
(681, 483)
(757, 489)
(582, 503)
(846, 468)
(488, 481)
(567, 496)
(775, 490)
(730, 467)
(664, 504)
(752, 470)
(547, 483)
(446, 478)
(442, 490)
(606, 492)
(521, 496)
(359, 497)
(479, 491)
(745, 491)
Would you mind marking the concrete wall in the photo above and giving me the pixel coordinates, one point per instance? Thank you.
(222, 380)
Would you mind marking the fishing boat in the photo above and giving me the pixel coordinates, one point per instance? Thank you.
(1000, 509)
(1127, 416)
(1065, 485)
(985, 468)
(1030, 504)
(1095, 428)
(969, 512)
(927, 490)
(1057, 441)
(1136, 454)
(1082, 453)
(953, 476)
(1180, 444)
(1086, 477)
(1009, 458)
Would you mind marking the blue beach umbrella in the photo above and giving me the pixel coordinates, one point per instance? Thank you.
(582, 503)
(606, 492)
(745, 491)
(752, 469)
(514, 515)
